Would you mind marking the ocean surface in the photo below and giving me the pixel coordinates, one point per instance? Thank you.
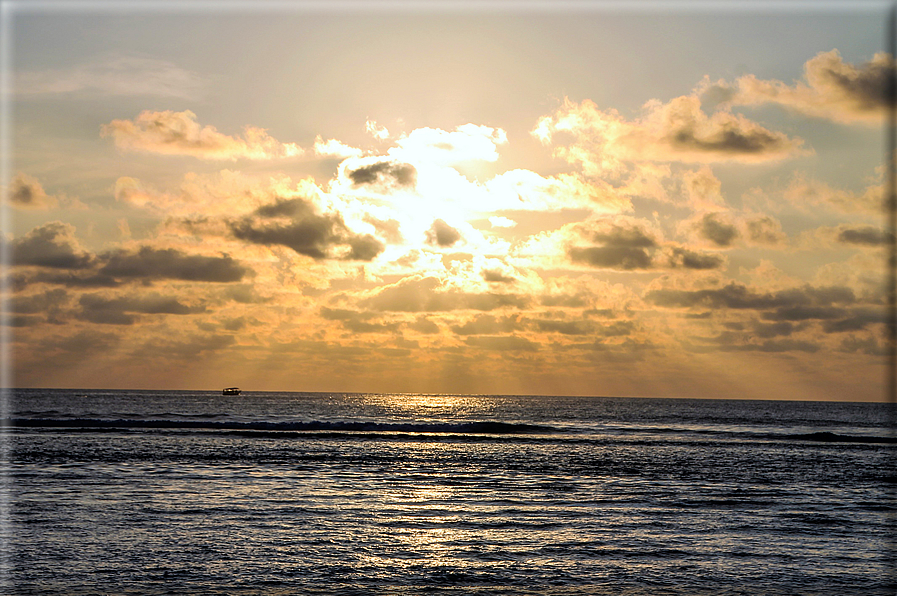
(152, 492)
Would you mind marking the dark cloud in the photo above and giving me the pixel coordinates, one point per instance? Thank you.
(121, 311)
(865, 86)
(834, 89)
(625, 246)
(51, 245)
(51, 304)
(767, 331)
(169, 263)
(400, 174)
(39, 303)
(788, 345)
(293, 223)
(868, 345)
(738, 296)
(181, 349)
(682, 258)
(22, 320)
(617, 329)
(27, 193)
(363, 248)
(864, 235)
(805, 312)
(357, 322)
(729, 140)
(764, 230)
(723, 135)
(565, 300)
(235, 324)
(624, 236)
(365, 327)
(712, 227)
(443, 235)
(244, 294)
(737, 342)
(611, 257)
(565, 327)
(74, 280)
(424, 325)
(496, 276)
(857, 320)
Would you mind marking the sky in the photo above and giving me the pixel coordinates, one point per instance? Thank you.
(675, 200)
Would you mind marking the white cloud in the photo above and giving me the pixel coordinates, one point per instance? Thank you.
(114, 75)
(467, 142)
(334, 148)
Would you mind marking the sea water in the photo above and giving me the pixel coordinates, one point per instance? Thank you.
(150, 492)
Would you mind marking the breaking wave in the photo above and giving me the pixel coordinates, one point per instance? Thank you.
(484, 427)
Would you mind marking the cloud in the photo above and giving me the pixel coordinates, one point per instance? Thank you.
(467, 142)
(334, 148)
(293, 223)
(502, 343)
(770, 330)
(496, 276)
(424, 325)
(793, 304)
(428, 294)
(802, 192)
(579, 327)
(625, 245)
(713, 227)
(50, 303)
(501, 222)
(856, 320)
(121, 311)
(71, 279)
(51, 245)
(26, 192)
(675, 131)
(375, 130)
(357, 322)
(736, 343)
(863, 236)
(442, 235)
(169, 263)
(764, 230)
(523, 189)
(377, 171)
(831, 89)
(704, 190)
(626, 258)
(488, 325)
(178, 133)
(683, 258)
(115, 75)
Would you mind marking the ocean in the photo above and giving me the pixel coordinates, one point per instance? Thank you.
(178, 492)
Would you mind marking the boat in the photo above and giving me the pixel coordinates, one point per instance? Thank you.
(231, 391)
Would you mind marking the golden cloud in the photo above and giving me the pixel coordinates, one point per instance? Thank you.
(831, 89)
(677, 131)
(178, 133)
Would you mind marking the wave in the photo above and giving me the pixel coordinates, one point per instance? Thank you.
(475, 427)
(612, 434)
(829, 437)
